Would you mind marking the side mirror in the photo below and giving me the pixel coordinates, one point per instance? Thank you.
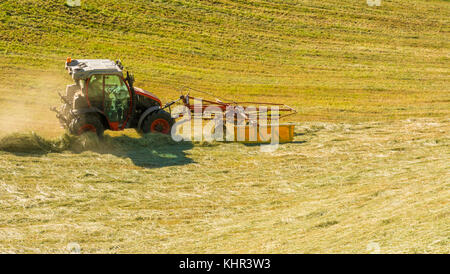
(119, 64)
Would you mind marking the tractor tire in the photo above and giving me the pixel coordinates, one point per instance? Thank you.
(87, 123)
(159, 121)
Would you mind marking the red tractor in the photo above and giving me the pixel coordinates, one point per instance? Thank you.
(102, 98)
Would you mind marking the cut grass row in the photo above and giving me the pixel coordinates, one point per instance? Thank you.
(338, 188)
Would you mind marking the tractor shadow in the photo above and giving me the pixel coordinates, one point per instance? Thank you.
(147, 151)
(148, 154)
(280, 144)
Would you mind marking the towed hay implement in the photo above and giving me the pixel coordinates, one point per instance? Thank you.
(248, 122)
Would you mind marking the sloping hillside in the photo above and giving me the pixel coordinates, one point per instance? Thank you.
(367, 171)
(333, 60)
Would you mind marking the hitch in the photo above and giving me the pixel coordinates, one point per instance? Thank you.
(167, 105)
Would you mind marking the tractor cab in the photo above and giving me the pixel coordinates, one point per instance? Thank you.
(102, 93)
(103, 87)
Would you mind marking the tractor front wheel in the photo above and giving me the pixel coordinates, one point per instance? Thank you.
(159, 121)
(89, 123)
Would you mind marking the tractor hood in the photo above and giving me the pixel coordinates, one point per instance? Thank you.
(147, 94)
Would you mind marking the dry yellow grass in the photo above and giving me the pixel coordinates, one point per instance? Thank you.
(369, 166)
(338, 188)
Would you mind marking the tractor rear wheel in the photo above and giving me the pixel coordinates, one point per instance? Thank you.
(89, 123)
(159, 121)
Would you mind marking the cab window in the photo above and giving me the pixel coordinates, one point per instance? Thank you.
(95, 91)
(117, 98)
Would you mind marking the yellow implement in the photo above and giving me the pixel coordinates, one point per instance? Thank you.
(263, 134)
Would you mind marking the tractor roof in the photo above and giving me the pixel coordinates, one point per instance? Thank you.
(84, 68)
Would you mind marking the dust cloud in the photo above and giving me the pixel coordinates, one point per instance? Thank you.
(25, 102)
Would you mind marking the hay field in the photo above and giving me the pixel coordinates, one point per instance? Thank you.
(369, 166)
